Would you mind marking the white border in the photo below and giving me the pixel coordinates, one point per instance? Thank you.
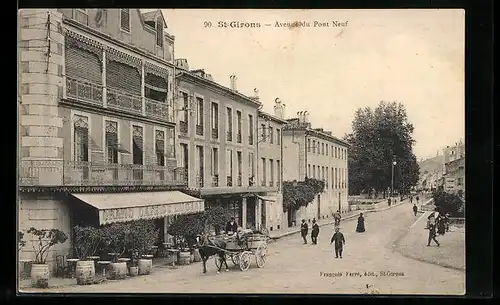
(132, 124)
(72, 120)
(104, 119)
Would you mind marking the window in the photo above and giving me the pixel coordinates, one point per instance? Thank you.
(229, 167)
(229, 124)
(327, 147)
(322, 173)
(271, 172)
(125, 19)
(81, 138)
(215, 120)
(263, 177)
(238, 169)
(278, 171)
(199, 116)
(199, 166)
(215, 161)
(309, 170)
(263, 132)
(185, 105)
(184, 156)
(251, 167)
(336, 152)
(459, 181)
(278, 136)
(238, 126)
(137, 140)
(308, 145)
(160, 147)
(314, 146)
(314, 171)
(155, 87)
(333, 177)
(322, 148)
(271, 135)
(81, 15)
(159, 32)
(336, 179)
(250, 129)
(326, 181)
(111, 140)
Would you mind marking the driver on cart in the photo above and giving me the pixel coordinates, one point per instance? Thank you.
(232, 226)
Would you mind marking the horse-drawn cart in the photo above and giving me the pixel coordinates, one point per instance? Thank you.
(241, 248)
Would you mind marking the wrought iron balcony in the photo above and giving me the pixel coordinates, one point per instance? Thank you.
(251, 181)
(229, 180)
(183, 127)
(199, 130)
(157, 109)
(229, 136)
(250, 140)
(84, 91)
(215, 180)
(240, 183)
(215, 133)
(120, 100)
(72, 173)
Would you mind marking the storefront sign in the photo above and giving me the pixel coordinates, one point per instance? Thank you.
(149, 212)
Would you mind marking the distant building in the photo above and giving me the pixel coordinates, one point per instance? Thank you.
(454, 176)
(316, 153)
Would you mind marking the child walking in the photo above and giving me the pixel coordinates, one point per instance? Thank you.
(339, 240)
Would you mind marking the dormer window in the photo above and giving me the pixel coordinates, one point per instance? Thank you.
(159, 32)
(125, 19)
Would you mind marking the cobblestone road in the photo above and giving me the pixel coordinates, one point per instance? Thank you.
(296, 268)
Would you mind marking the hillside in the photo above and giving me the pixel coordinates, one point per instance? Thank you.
(432, 164)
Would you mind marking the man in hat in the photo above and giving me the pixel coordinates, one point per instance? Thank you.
(232, 226)
(339, 242)
(303, 230)
(415, 209)
(314, 233)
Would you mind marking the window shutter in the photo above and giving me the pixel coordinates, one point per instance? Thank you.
(159, 32)
(82, 64)
(125, 19)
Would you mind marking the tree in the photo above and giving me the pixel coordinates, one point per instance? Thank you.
(300, 193)
(381, 136)
(447, 203)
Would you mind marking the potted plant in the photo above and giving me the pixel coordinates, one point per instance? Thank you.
(86, 242)
(24, 267)
(141, 239)
(44, 239)
(113, 238)
(134, 265)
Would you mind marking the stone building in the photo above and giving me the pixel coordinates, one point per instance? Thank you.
(218, 144)
(454, 176)
(319, 155)
(96, 124)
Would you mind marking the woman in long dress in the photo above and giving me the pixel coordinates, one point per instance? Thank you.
(361, 224)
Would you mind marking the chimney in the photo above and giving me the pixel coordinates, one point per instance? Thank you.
(232, 80)
(306, 117)
(182, 63)
(278, 108)
(256, 94)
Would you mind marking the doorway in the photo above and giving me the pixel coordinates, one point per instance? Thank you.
(340, 205)
(262, 214)
(319, 207)
(250, 212)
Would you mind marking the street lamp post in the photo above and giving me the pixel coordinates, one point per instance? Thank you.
(392, 178)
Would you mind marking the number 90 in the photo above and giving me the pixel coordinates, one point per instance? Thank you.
(207, 24)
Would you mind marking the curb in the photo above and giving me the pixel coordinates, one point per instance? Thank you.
(331, 222)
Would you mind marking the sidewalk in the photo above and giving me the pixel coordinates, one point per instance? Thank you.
(450, 253)
(381, 206)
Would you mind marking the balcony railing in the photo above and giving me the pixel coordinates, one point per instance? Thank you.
(59, 173)
(84, 91)
(199, 180)
(238, 137)
(156, 109)
(183, 127)
(251, 181)
(117, 99)
(215, 133)
(240, 183)
(229, 136)
(91, 93)
(215, 180)
(263, 183)
(229, 180)
(199, 130)
(250, 140)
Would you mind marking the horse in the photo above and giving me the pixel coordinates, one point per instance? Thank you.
(208, 248)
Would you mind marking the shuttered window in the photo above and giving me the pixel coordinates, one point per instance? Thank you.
(155, 87)
(160, 147)
(121, 76)
(137, 153)
(159, 32)
(111, 142)
(82, 64)
(125, 19)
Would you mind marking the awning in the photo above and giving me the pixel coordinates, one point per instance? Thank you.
(122, 207)
(266, 198)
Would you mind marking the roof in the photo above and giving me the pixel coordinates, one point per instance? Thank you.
(217, 85)
(272, 117)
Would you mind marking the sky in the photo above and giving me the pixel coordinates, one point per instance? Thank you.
(415, 57)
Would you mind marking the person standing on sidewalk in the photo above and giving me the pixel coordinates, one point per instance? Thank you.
(339, 242)
(417, 199)
(415, 209)
(411, 198)
(303, 230)
(337, 218)
(360, 228)
(432, 235)
(314, 233)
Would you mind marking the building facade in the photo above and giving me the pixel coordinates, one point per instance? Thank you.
(96, 121)
(270, 167)
(454, 176)
(320, 155)
(218, 145)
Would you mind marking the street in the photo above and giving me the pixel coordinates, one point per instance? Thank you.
(294, 268)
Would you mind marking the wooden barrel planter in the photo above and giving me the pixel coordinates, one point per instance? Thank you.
(85, 272)
(133, 271)
(184, 258)
(40, 275)
(197, 256)
(145, 266)
(118, 271)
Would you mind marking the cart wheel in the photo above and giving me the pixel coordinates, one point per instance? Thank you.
(244, 260)
(236, 259)
(260, 255)
(218, 262)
